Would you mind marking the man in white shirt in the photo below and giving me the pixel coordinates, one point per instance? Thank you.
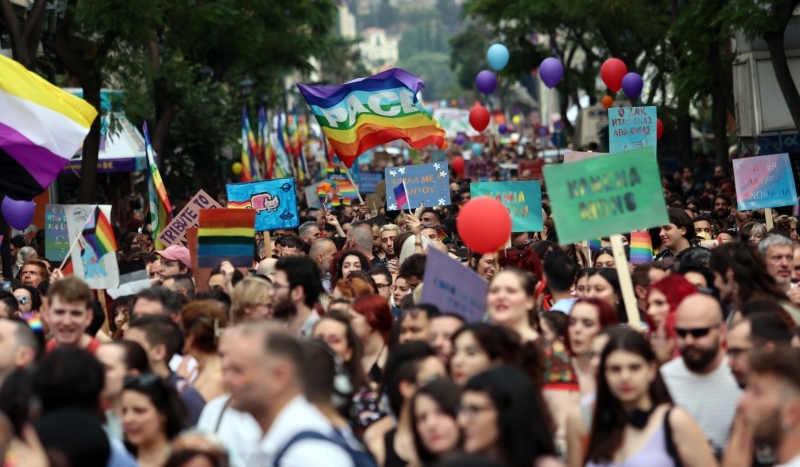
(263, 367)
(238, 430)
(701, 380)
(771, 402)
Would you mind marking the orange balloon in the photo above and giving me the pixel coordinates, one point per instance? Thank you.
(607, 101)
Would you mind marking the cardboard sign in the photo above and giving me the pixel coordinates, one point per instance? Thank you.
(225, 235)
(274, 201)
(522, 199)
(428, 184)
(175, 233)
(454, 287)
(478, 168)
(631, 128)
(531, 170)
(99, 273)
(369, 180)
(56, 234)
(312, 199)
(575, 156)
(606, 195)
(764, 182)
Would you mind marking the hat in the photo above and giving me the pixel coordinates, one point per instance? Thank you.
(177, 253)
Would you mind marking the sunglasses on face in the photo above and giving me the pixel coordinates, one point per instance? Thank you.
(696, 332)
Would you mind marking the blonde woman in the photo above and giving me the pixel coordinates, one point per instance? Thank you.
(251, 300)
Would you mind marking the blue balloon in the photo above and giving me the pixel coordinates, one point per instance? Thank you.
(477, 149)
(497, 56)
(429, 109)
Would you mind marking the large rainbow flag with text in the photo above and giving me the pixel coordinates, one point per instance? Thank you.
(368, 112)
(41, 129)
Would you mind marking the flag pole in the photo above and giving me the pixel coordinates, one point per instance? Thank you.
(69, 253)
(349, 177)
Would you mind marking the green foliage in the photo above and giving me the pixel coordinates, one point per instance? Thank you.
(427, 36)
(432, 68)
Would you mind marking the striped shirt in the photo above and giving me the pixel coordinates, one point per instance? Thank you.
(711, 398)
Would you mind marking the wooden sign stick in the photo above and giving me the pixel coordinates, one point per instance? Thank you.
(625, 283)
(768, 215)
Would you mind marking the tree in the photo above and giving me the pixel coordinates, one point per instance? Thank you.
(25, 35)
(432, 69)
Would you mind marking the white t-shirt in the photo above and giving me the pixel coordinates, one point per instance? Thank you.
(711, 399)
(238, 430)
(296, 417)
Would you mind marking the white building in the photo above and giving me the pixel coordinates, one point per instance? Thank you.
(347, 22)
(378, 51)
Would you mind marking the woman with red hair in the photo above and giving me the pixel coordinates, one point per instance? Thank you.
(663, 298)
(371, 318)
(589, 316)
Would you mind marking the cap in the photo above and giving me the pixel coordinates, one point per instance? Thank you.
(177, 253)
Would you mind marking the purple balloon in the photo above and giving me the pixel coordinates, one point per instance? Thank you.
(460, 139)
(502, 128)
(18, 214)
(632, 85)
(551, 70)
(486, 81)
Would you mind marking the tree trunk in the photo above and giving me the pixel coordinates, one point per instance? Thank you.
(780, 65)
(24, 37)
(719, 112)
(91, 145)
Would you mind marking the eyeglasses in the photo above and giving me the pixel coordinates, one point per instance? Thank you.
(470, 411)
(23, 300)
(696, 332)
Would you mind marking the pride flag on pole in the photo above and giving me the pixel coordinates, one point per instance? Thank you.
(41, 129)
(160, 210)
(400, 195)
(98, 233)
(367, 112)
(249, 149)
(641, 248)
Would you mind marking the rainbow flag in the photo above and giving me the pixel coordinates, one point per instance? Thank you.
(249, 149)
(226, 235)
(266, 155)
(98, 233)
(367, 112)
(285, 145)
(160, 211)
(328, 149)
(41, 129)
(641, 248)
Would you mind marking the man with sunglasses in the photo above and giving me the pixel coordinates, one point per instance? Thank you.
(701, 380)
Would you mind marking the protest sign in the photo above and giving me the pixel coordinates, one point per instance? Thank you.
(606, 195)
(631, 128)
(764, 182)
(312, 199)
(133, 279)
(575, 156)
(531, 169)
(373, 203)
(175, 233)
(369, 180)
(428, 184)
(478, 168)
(99, 273)
(56, 235)
(454, 120)
(274, 201)
(522, 199)
(453, 287)
(225, 235)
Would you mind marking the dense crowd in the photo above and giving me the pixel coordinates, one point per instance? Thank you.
(324, 354)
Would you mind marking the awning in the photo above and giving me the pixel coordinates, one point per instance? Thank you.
(122, 151)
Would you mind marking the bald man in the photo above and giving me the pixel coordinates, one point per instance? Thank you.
(701, 380)
(266, 267)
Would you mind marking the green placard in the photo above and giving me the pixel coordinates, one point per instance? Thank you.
(608, 195)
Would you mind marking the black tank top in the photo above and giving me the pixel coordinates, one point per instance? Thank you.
(392, 459)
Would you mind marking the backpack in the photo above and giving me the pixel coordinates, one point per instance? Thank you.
(361, 458)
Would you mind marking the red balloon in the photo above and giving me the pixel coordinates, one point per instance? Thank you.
(612, 72)
(458, 165)
(479, 118)
(659, 129)
(348, 161)
(484, 224)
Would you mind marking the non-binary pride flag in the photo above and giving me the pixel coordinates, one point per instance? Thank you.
(41, 129)
(226, 235)
(98, 233)
(367, 112)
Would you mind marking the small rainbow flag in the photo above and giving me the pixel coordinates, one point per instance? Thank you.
(33, 321)
(595, 245)
(98, 233)
(367, 112)
(226, 235)
(641, 248)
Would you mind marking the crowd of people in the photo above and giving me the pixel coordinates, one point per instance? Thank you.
(324, 354)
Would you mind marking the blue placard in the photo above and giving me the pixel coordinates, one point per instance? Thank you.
(764, 182)
(275, 202)
(522, 199)
(428, 184)
(368, 181)
(631, 128)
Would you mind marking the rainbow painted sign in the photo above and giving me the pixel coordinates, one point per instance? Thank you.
(764, 182)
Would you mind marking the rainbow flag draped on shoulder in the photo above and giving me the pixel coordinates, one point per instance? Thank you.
(159, 207)
(368, 112)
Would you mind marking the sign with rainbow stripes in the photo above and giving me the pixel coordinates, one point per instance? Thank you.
(226, 235)
(764, 182)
